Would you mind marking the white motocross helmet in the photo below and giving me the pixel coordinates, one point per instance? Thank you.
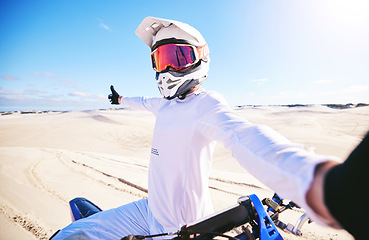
(157, 31)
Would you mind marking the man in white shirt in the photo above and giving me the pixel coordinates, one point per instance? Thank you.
(189, 121)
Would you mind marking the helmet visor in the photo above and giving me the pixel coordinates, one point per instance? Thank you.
(177, 57)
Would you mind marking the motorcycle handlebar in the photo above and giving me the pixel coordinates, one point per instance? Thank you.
(224, 221)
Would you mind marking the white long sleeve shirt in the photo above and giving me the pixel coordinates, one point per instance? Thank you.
(183, 143)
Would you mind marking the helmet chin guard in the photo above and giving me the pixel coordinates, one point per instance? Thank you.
(173, 84)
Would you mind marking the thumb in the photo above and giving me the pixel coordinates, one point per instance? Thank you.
(112, 88)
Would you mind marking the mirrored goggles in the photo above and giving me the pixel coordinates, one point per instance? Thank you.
(177, 57)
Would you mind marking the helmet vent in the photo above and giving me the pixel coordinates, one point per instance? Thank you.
(153, 29)
(172, 86)
(171, 81)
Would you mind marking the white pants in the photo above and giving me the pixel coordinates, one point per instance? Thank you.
(133, 218)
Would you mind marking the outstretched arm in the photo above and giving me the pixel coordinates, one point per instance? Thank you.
(286, 167)
(139, 103)
(338, 190)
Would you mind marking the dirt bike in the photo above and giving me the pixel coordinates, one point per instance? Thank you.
(249, 219)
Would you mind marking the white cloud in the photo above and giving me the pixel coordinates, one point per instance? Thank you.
(11, 95)
(8, 77)
(5, 92)
(27, 93)
(60, 82)
(44, 74)
(102, 97)
(47, 74)
(350, 94)
(291, 95)
(68, 83)
(354, 89)
(32, 91)
(260, 81)
(86, 95)
(322, 81)
(102, 25)
(31, 99)
(80, 94)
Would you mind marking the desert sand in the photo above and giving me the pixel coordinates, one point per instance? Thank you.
(50, 158)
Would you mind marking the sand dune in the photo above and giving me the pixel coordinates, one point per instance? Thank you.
(47, 159)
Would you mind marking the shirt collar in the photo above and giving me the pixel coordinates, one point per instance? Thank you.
(191, 95)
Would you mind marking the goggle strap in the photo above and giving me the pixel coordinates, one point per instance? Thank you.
(203, 51)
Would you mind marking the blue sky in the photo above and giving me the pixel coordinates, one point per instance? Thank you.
(64, 54)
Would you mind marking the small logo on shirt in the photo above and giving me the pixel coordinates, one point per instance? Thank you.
(155, 151)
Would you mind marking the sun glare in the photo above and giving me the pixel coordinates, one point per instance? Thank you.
(352, 13)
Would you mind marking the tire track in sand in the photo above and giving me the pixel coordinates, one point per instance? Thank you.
(26, 222)
(112, 160)
(66, 160)
(132, 189)
(37, 182)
